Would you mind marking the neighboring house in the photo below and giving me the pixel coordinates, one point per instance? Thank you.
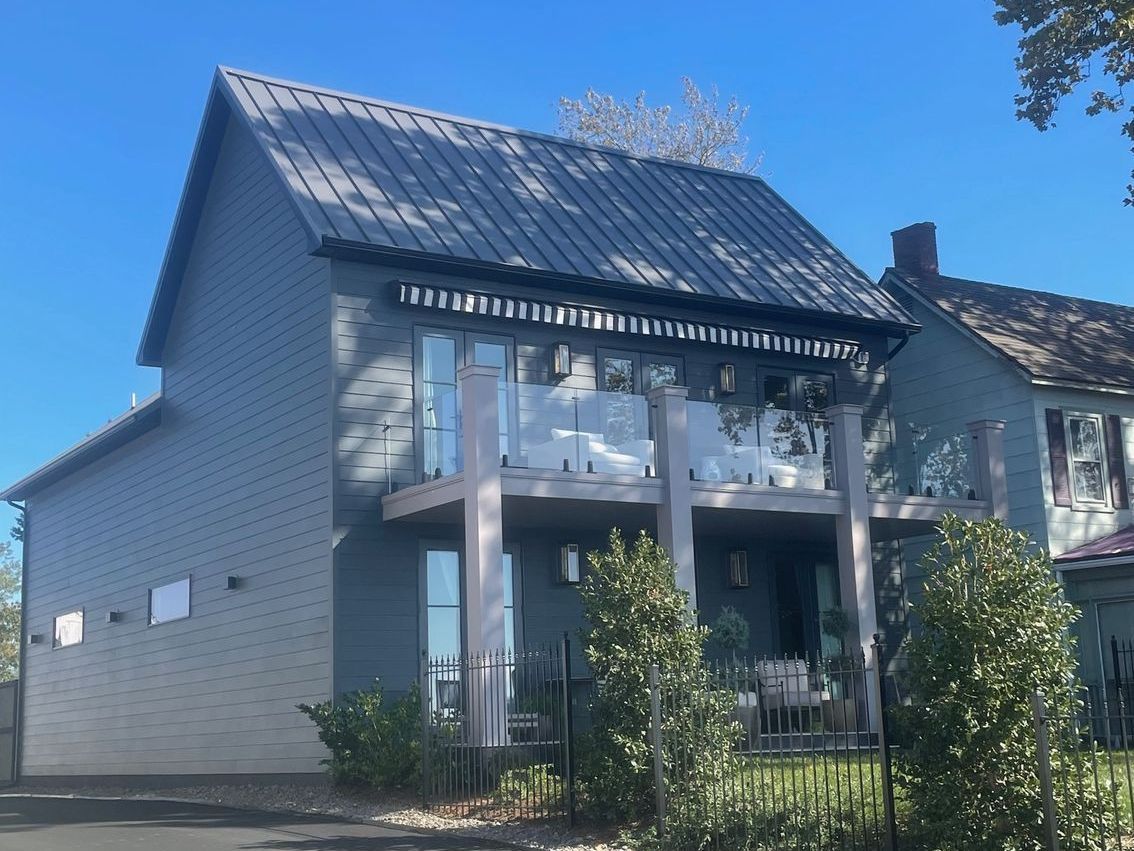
(1060, 372)
(413, 368)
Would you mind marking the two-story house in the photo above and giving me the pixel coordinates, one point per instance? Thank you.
(414, 367)
(1060, 372)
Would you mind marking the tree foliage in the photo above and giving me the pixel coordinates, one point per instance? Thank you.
(10, 575)
(995, 629)
(703, 132)
(1064, 44)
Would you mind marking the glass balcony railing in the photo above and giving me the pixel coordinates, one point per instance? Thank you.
(560, 428)
(739, 443)
(924, 464)
(549, 428)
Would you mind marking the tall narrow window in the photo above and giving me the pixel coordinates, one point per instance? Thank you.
(443, 602)
(1088, 471)
(496, 354)
(439, 403)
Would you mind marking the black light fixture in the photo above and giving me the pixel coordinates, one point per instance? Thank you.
(114, 616)
(862, 357)
(232, 583)
(35, 638)
(726, 385)
(561, 360)
(738, 569)
(569, 564)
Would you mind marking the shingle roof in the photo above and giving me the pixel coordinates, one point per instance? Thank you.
(1118, 543)
(1051, 337)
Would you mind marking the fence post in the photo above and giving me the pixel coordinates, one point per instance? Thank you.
(1116, 661)
(1043, 752)
(656, 735)
(891, 835)
(424, 695)
(568, 731)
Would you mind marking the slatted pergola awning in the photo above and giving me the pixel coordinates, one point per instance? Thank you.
(619, 322)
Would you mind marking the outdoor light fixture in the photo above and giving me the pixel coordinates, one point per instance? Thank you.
(114, 616)
(35, 638)
(232, 583)
(726, 386)
(862, 357)
(569, 564)
(561, 360)
(738, 569)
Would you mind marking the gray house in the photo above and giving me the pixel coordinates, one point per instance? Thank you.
(1060, 372)
(413, 368)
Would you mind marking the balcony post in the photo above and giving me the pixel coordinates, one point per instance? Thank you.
(852, 527)
(484, 550)
(675, 514)
(991, 476)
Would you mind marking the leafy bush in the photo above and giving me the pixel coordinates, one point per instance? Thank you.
(533, 785)
(637, 617)
(371, 744)
(730, 631)
(995, 629)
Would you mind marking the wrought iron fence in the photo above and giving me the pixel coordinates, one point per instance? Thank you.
(1086, 771)
(804, 764)
(497, 734)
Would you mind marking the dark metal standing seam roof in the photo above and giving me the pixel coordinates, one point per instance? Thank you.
(392, 176)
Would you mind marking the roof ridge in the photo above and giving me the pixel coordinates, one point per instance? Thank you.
(910, 276)
(488, 125)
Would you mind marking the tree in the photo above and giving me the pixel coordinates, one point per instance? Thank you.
(9, 613)
(1064, 43)
(704, 132)
(994, 629)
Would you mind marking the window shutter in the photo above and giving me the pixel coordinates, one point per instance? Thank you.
(1057, 449)
(1116, 462)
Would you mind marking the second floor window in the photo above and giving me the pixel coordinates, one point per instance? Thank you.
(1088, 460)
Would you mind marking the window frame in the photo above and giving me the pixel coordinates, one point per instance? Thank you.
(1077, 504)
(82, 613)
(188, 580)
(795, 380)
(641, 361)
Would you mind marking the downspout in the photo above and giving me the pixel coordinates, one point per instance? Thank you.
(901, 345)
(18, 757)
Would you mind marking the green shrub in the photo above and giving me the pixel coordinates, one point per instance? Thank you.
(994, 629)
(533, 786)
(730, 631)
(637, 617)
(371, 744)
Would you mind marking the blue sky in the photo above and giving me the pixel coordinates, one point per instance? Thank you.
(870, 116)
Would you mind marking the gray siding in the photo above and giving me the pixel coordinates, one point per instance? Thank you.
(376, 564)
(235, 481)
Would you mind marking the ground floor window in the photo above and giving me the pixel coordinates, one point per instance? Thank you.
(805, 587)
(444, 602)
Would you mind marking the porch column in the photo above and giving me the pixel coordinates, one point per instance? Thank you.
(675, 514)
(484, 551)
(991, 476)
(852, 527)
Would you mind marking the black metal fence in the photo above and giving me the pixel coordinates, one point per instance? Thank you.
(497, 734)
(807, 765)
(1086, 771)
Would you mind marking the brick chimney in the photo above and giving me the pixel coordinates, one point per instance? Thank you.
(915, 248)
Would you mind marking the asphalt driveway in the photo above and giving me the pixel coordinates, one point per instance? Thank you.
(51, 824)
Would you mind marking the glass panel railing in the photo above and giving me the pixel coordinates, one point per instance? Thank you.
(740, 443)
(583, 430)
(944, 467)
(441, 433)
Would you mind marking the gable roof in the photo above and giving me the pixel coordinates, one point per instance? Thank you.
(1053, 338)
(368, 173)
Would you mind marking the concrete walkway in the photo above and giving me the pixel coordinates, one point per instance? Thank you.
(52, 824)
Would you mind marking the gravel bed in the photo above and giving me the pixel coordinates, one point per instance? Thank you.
(355, 805)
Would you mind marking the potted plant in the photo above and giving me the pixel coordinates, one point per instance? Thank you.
(844, 674)
(730, 633)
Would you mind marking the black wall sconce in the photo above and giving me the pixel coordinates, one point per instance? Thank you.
(231, 583)
(561, 360)
(569, 564)
(726, 384)
(862, 358)
(114, 616)
(738, 569)
(35, 638)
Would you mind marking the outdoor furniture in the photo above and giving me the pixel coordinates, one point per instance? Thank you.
(735, 464)
(787, 686)
(581, 448)
(748, 716)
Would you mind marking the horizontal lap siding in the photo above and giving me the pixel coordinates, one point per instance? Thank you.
(376, 565)
(235, 481)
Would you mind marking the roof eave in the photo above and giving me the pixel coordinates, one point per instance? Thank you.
(345, 249)
(140, 419)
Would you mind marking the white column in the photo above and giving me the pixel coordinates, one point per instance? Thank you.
(675, 514)
(852, 527)
(484, 551)
(988, 461)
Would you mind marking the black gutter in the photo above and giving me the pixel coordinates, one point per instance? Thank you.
(17, 739)
(482, 270)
